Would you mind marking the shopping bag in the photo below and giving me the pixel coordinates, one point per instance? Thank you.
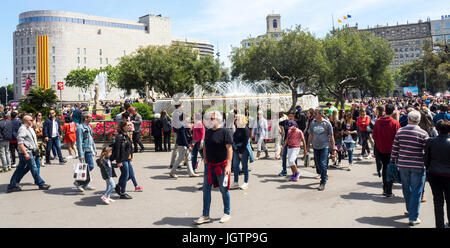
(80, 172)
(392, 173)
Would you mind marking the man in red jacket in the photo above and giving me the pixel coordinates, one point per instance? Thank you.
(384, 132)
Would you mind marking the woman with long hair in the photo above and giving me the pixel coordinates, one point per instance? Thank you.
(363, 122)
(350, 136)
(123, 154)
(38, 126)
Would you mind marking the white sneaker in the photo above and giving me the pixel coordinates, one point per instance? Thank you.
(244, 186)
(225, 218)
(111, 200)
(13, 166)
(105, 200)
(69, 157)
(202, 220)
(234, 186)
(416, 222)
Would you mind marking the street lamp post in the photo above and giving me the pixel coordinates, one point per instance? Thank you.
(425, 77)
(6, 91)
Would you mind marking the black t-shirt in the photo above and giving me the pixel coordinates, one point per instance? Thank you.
(215, 144)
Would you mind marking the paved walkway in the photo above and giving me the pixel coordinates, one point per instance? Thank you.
(351, 199)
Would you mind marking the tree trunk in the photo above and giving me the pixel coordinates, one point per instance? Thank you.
(294, 99)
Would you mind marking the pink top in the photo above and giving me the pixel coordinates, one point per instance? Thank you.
(198, 133)
(295, 137)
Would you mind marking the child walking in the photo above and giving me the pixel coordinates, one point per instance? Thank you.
(294, 137)
(107, 173)
(70, 135)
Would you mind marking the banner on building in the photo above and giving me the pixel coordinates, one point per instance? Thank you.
(42, 62)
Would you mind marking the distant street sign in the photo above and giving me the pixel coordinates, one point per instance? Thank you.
(60, 85)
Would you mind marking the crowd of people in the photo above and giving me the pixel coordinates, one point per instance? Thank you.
(410, 133)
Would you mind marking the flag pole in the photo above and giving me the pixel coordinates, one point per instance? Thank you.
(332, 20)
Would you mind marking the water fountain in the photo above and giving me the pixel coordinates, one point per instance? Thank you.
(240, 93)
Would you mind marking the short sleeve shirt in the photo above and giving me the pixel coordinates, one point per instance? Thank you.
(295, 137)
(215, 144)
(321, 132)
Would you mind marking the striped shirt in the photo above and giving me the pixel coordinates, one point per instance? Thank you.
(408, 147)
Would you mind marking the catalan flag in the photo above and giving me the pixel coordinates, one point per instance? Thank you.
(345, 17)
(42, 59)
(349, 16)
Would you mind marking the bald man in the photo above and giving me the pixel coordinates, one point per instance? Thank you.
(28, 157)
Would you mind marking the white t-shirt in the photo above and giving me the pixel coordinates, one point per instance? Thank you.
(55, 129)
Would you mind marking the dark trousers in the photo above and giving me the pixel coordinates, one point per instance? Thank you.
(137, 141)
(13, 148)
(440, 186)
(55, 141)
(158, 142)
(167, 140)
(365, 143)
(387, 186)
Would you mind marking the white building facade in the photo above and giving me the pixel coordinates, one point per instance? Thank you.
(78, 41)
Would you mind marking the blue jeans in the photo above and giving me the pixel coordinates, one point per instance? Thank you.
(413, 181)
(349, 147)
(110, 185)
(194, 154)
(237, 161)
(321, 160)
(207, 191)
(126, 173)
(24, 167)
(54, 142)
(284, 157)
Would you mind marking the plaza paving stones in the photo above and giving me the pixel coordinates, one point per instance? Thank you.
(351, 199)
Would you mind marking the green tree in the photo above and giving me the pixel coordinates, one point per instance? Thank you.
(10, 89)
(39, 100)
(436, 64)
(356, 60)
(169, 70)
(295, 61)
(81, 78)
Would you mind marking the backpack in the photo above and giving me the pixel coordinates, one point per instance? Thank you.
(5, 131)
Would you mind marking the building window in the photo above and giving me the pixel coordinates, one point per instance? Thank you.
(437, 26)
(15, 42)
(28, 50)
(21, 42)
(34, 67)
(101, 60)
(28, 41)
(34, 50)
(22, 50)
(28, 59)
(106, 61)
(54, 69)
(53, 59)
(34, 60)
(78, 50)
(84, 51)
(53, 50)
(275, 24)
(100, 52)
(21, 61)
(85, 60)
(78, 59)
(124, 53)
(406, 49)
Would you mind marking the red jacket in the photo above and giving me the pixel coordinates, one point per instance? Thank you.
(384, 132)
(363, 123)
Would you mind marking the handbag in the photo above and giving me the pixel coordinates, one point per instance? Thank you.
(392, 173)
(80, 172)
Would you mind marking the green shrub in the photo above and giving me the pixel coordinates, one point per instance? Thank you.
(143, 109)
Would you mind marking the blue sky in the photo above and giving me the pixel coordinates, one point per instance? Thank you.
(226, 22)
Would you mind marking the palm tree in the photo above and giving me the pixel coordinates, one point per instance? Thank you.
(39, 100)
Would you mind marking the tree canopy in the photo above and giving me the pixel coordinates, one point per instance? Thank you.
(168, 70)
(356, 60)
(437, 69)
(295, 60)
